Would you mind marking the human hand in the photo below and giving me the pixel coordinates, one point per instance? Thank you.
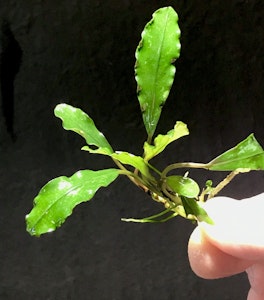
(235, 243)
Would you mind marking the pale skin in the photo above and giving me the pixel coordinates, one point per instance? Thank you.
(234, 244)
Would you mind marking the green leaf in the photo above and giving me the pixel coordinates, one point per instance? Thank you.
(57, 198)
(192, 207)
(183, 186)
(132, 160)
(248, 154)
(76, 120)
(157, 50)
(128, 159)
(162, 141)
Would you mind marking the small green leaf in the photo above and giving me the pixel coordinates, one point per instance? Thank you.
(183, 186)
(76, 120)
(157, 50)
(192, 207)
(162, 141)
(58, 197)
(132, 160)
(248, 154)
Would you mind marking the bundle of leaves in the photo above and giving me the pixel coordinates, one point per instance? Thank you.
(179, 195)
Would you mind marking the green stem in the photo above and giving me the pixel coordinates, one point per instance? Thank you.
(223, 183)
(118, 163)
(183, 165)
(164, 212)
(151, 219)
(172, 197)
(153, 168)
(135, 179)
(149, 139)
(132, 176)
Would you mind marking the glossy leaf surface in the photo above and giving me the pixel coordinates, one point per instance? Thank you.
(128, 159)
(135, 161)
(183, 186)
(192, 207)
(157, 50)
(76, 120)
(248, 154)
(57, 198)
(162, 141)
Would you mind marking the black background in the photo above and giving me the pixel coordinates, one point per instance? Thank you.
(82, 53)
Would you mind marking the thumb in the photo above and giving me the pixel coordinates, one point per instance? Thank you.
(235, 241)
(238, 226)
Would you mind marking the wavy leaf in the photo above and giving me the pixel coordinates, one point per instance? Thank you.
(248, 154)
(162, 141)
(58, 197)
(157, 50)
(76, 120)
(132, 160)
(128, 159)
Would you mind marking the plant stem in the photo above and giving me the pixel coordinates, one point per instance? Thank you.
(149, 139)
(132, 176)
(183, 165)
(118, 163)
(153, 168)
(223, 183)
(151, 219)
(172, 197)
(135, 179)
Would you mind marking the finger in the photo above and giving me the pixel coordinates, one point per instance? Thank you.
(209, 262)
(238, 228)
(255, 276)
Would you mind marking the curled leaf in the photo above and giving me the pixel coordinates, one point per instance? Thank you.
(162, 141)
(58, 197)
(130, 159)
(157, 50)
(76, 120)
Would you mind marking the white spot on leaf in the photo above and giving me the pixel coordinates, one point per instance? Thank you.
(63, 185)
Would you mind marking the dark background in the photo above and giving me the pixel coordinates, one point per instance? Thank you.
(82, 53)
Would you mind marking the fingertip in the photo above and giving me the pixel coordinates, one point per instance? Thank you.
(208, 261)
